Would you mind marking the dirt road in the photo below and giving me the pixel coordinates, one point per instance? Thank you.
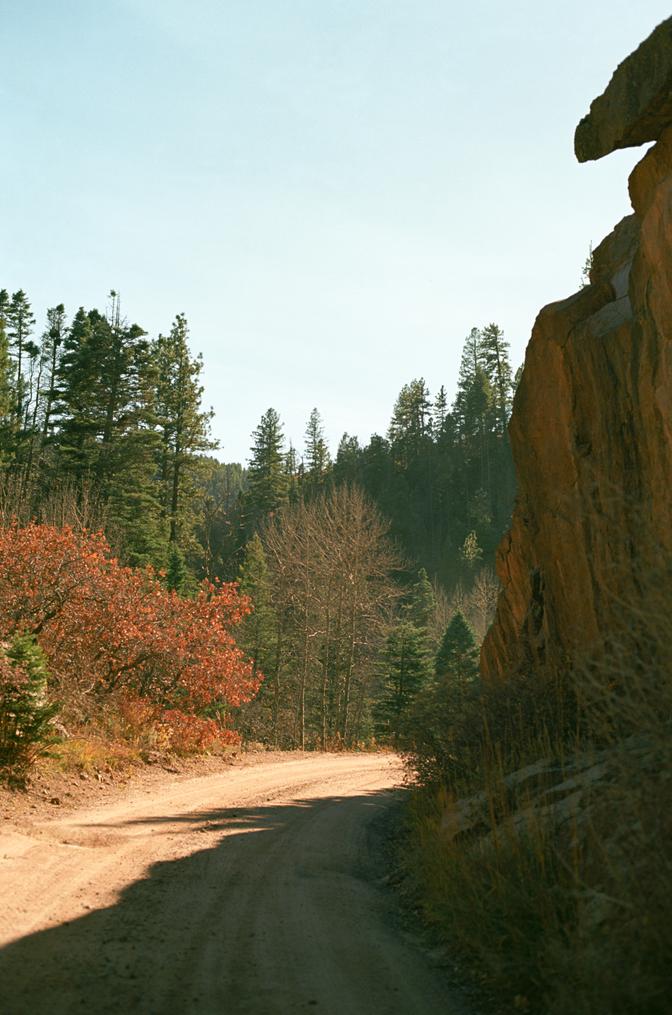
(251, 891)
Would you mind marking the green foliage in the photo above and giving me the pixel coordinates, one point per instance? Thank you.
(444, 719)
(19, 322)
(176, 573)
(457, 658)
(258, 628)
(7, 390)
(444, 471)
(25, 712)
(184, 428)
(347, 464)
(407, 669)
(99, 410)
(410, 426)
(420, 602)
(317, 459)
(267, 474)
(259, 640)
(587, 267)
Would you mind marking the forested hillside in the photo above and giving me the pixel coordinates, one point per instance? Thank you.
(92, 405)
(353, 564)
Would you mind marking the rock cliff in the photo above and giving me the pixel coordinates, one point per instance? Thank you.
(591, 429)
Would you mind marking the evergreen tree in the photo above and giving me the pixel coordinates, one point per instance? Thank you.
(317, 460)
(177, 574)
(470, 362)
(408, 666)
(52, 342)
(440, 411)
(347, 466)
(7, 392)
(267, 473)
(441, 721)
(41, 389)
(216, 508)
(183, 425)
(20, 322)
(411, 422)
(420, 604)
(495, 355)
(105, 424)
(409, 658)
(457, 657)
(258, 631)
(294, 473)
(377, 468)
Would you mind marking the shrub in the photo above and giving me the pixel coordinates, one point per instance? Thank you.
(108, 630)
(25, 713)
(192, 734)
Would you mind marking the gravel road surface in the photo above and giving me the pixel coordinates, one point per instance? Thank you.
(251, 891)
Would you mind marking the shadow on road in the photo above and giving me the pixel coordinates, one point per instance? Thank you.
(283, 912)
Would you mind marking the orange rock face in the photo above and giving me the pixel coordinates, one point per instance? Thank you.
(591, 429)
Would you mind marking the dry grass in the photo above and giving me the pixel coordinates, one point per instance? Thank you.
(92, 754)
(570, 918)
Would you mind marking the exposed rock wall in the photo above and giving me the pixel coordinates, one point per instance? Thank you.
(591, 429)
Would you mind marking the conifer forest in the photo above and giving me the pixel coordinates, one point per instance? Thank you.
(347, 565)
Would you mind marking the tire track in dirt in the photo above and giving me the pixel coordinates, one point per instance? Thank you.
(250, 891)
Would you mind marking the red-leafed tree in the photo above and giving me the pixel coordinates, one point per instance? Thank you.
(112, 630)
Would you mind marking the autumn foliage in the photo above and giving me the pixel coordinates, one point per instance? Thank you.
(116, 634)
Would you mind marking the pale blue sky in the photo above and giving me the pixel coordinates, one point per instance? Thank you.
(333, 191)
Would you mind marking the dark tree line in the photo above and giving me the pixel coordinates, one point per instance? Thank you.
(442, 474)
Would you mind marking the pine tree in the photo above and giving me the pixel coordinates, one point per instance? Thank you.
(440, 411)
(71, 422)
(408, 666)
(267, 475)
(52, 342)
(420, 604)
(258, 631)
(410, 426)
(317, 460)
(470, 551)
(495, 356)
(471, 360)
(408, 659)
(7, 392)
(457, 658)
(587, 267)
(177, 574)
(41, 389)
(440, 723)
(20, 322)
(105, 424)
(348, 460)
(294, 473)
(183, 425)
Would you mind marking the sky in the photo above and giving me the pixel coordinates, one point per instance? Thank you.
(334, 192)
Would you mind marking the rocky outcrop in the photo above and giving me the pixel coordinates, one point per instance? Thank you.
(591, 429)
(637, 105)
